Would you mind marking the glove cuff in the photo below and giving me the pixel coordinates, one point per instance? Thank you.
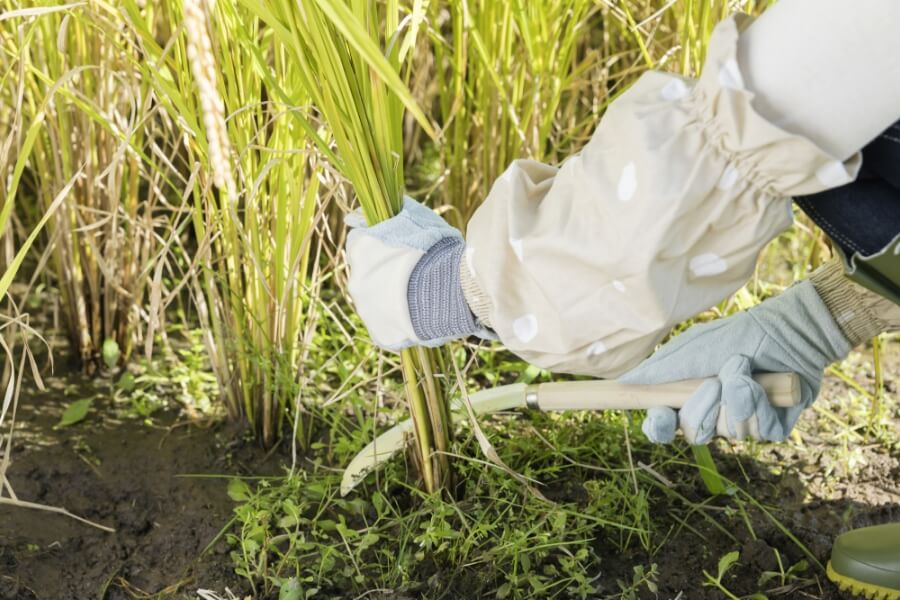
(437, 307)
(857, 311)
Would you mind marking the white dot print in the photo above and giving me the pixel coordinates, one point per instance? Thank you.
(628, 182)
(833, 174)
(596, 349)
(730, 75)
(517, 247)
(705, 265)
(620, 287)
(674, 90)
(470, 256)
(728, 178)
(525, 328)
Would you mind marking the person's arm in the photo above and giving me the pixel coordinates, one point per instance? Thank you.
(583, 268)
(803, 330)
(826, 69)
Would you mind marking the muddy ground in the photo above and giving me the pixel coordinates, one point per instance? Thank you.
(126, 475)
(139, 480)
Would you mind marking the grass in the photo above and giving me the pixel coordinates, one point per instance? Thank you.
(395, 537)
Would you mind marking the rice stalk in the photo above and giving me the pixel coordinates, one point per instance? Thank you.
(510, 83)
(80, 84)
(212, 107)
(219, 79)
(349, 58)
(17, 144)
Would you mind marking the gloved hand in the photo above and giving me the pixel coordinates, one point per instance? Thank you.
(791, 332)
(404, 279)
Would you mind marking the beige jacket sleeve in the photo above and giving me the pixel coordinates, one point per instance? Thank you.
(584, 268)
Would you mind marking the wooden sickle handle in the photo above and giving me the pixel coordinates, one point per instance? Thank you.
(783, 389)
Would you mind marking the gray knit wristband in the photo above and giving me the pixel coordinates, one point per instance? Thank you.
(437, 306)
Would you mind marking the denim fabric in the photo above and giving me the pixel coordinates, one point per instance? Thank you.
(864, 216)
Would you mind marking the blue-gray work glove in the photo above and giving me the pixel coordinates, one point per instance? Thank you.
(791, 332)
(404, 279)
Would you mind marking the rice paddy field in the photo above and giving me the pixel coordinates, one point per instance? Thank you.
(185, 378)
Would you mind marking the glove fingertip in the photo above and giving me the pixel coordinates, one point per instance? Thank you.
(660, 425)
(769, 425)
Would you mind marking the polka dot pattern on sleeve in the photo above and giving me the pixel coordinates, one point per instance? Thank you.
(728, 178)
(674, 90)
(470, 258)
(707, 265)
(525, 328)
(833, 174)
(730, 75)
(517, 247)
(596, 349)
(628, 183)
(585, 266)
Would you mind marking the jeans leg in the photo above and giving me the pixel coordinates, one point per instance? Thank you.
(863, 216)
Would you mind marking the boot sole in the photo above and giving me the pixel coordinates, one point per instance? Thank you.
(860, 588)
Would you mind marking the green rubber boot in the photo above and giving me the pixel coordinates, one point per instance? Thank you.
(867, 562)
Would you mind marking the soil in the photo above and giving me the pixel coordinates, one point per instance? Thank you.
(138, 479)
(127, 475)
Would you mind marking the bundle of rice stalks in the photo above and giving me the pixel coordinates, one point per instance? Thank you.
(349, 57)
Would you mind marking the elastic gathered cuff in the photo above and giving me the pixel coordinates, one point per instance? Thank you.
(775, 161)
(860, 313)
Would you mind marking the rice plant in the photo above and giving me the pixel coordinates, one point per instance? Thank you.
(512, 80)
(349, 57)
(18, 140)
(256, 187)
(82, 88)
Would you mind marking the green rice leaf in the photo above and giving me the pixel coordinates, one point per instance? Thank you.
(359, 39)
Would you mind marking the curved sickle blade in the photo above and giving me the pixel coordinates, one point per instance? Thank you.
(392, 441)
(782, 389)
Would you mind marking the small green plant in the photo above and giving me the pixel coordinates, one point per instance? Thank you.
(783, 577)
(75, 412)
(725, 564)
(643, 578)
